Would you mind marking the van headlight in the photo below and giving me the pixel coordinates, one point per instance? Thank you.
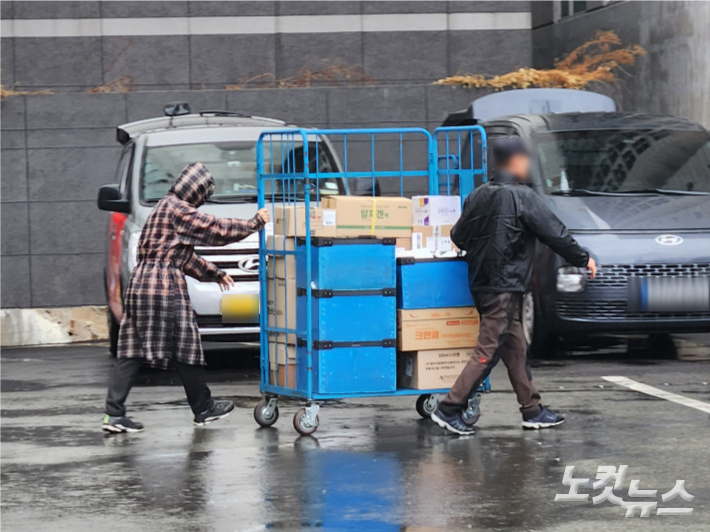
(571, 279)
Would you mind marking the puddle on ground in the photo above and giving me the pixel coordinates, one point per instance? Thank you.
(21, 386)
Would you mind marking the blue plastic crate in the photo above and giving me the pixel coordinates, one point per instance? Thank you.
(349, 263)
(432, 283)
(351, 315)
(348, 368)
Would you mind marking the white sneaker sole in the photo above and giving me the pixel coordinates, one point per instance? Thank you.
(211, 419)
(444, 425)
(119, 429)
(537, 426)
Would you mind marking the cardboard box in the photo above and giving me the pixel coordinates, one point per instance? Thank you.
(279, 354)
(291, 221)
(279, 338)
(282, 376)
(378, 216)
(435, 210)
(279, 351)
(438, 328)
(281, 305)
(403, 243)
(429, 370)
(275, 264)
(435, 238)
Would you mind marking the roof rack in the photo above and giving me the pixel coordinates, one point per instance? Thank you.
(237, 114)
(224, 113)
(125, 132)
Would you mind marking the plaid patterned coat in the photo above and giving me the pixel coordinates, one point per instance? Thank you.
(158, 321)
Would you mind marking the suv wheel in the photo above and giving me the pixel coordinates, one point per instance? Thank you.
(113, 327)
(541, 343)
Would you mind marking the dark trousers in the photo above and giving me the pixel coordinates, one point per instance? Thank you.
(124, 374)
(500, 336)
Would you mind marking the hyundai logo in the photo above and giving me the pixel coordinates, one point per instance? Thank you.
(249, 264)
(669, 240)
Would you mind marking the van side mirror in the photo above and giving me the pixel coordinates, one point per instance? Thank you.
(110, 199)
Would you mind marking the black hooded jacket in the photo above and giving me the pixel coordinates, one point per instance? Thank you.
(498, 228)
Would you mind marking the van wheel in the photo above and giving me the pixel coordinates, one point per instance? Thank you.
(541, 343)
(662, 347)
(113, 327)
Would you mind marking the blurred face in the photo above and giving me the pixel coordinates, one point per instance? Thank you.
(519, 166)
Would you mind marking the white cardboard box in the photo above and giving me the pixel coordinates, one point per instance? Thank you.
(435, 210)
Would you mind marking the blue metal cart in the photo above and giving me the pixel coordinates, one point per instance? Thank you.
(313, 346)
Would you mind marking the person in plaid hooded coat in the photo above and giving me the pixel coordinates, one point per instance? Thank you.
(158, 324)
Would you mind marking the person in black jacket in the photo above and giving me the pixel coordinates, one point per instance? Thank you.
(498, 227)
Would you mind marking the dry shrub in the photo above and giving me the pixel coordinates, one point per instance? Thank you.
(10, 92)
(333, 73)
(595, 60)
(123, 84)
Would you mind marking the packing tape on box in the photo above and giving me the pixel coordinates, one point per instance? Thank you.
(374, 214)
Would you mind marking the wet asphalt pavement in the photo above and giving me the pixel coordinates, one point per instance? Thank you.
(373, 465)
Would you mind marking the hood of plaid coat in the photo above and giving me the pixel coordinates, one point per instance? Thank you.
(194, 185)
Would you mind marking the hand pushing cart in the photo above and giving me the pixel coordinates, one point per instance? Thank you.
(329, 303)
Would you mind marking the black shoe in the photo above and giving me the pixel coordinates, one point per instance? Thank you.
(118, 424)
(453, 423)
(544, 420)
(218, 410)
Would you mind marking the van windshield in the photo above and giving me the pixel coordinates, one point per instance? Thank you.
(232, 164)
(625, 161)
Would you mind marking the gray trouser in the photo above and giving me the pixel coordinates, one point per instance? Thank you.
(500, 337)
(125, 372)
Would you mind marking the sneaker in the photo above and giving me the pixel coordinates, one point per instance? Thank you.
(218, 410)
(473, 412)
(453, 423)
(120, 424)
(544, 420)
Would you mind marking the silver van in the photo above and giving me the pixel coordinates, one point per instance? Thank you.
(154, 153)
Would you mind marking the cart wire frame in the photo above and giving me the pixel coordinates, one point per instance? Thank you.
(289, 174)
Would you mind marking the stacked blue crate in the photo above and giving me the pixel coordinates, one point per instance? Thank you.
(433, 283)
(354, 316)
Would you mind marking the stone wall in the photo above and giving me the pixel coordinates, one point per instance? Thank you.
(671, 79)
(71, 46)
(58, 149)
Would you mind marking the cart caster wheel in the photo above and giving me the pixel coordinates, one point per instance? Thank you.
(426, 405)
(266, 413)
(306, 423)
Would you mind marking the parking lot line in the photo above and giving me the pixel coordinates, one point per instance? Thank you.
(668, 396)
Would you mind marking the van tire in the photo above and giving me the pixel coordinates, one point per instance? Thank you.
(662, 347)
(544, 345)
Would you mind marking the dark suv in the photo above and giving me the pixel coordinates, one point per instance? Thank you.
(634, 190)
